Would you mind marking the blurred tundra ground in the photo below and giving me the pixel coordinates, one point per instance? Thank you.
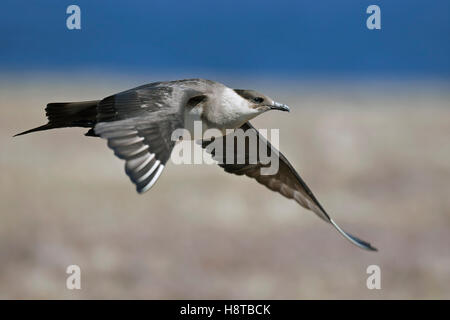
(376, 156)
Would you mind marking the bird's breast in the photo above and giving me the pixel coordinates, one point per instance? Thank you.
(196, 123)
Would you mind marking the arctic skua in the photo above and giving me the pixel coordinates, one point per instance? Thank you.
(138, 125)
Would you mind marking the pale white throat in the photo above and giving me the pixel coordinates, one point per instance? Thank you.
(223, 110)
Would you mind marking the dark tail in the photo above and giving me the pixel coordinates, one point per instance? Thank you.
(68, 114)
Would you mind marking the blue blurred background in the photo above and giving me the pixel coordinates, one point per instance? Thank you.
(257, 38)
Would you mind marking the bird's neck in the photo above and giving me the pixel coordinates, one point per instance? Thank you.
(228, 111)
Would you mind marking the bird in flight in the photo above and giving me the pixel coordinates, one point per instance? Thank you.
(138, 125)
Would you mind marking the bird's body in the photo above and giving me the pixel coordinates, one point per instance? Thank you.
(138, 125)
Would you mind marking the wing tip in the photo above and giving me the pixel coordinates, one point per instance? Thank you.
(363, 244)
(356, 241)
(142, 188)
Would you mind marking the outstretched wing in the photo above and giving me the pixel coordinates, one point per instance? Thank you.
(138, 125)
(285, 181)
(145, 146)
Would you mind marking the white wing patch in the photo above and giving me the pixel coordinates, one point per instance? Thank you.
(141, 164)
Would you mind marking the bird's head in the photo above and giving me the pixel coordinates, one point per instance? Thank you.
(260, 102)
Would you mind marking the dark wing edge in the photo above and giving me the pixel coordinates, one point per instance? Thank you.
(286, 181)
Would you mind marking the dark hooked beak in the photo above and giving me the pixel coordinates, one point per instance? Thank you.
(279, 106)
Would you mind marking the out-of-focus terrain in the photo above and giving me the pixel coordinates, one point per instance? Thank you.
(377, 158)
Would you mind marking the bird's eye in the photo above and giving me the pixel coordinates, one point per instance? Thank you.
(258, 99)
